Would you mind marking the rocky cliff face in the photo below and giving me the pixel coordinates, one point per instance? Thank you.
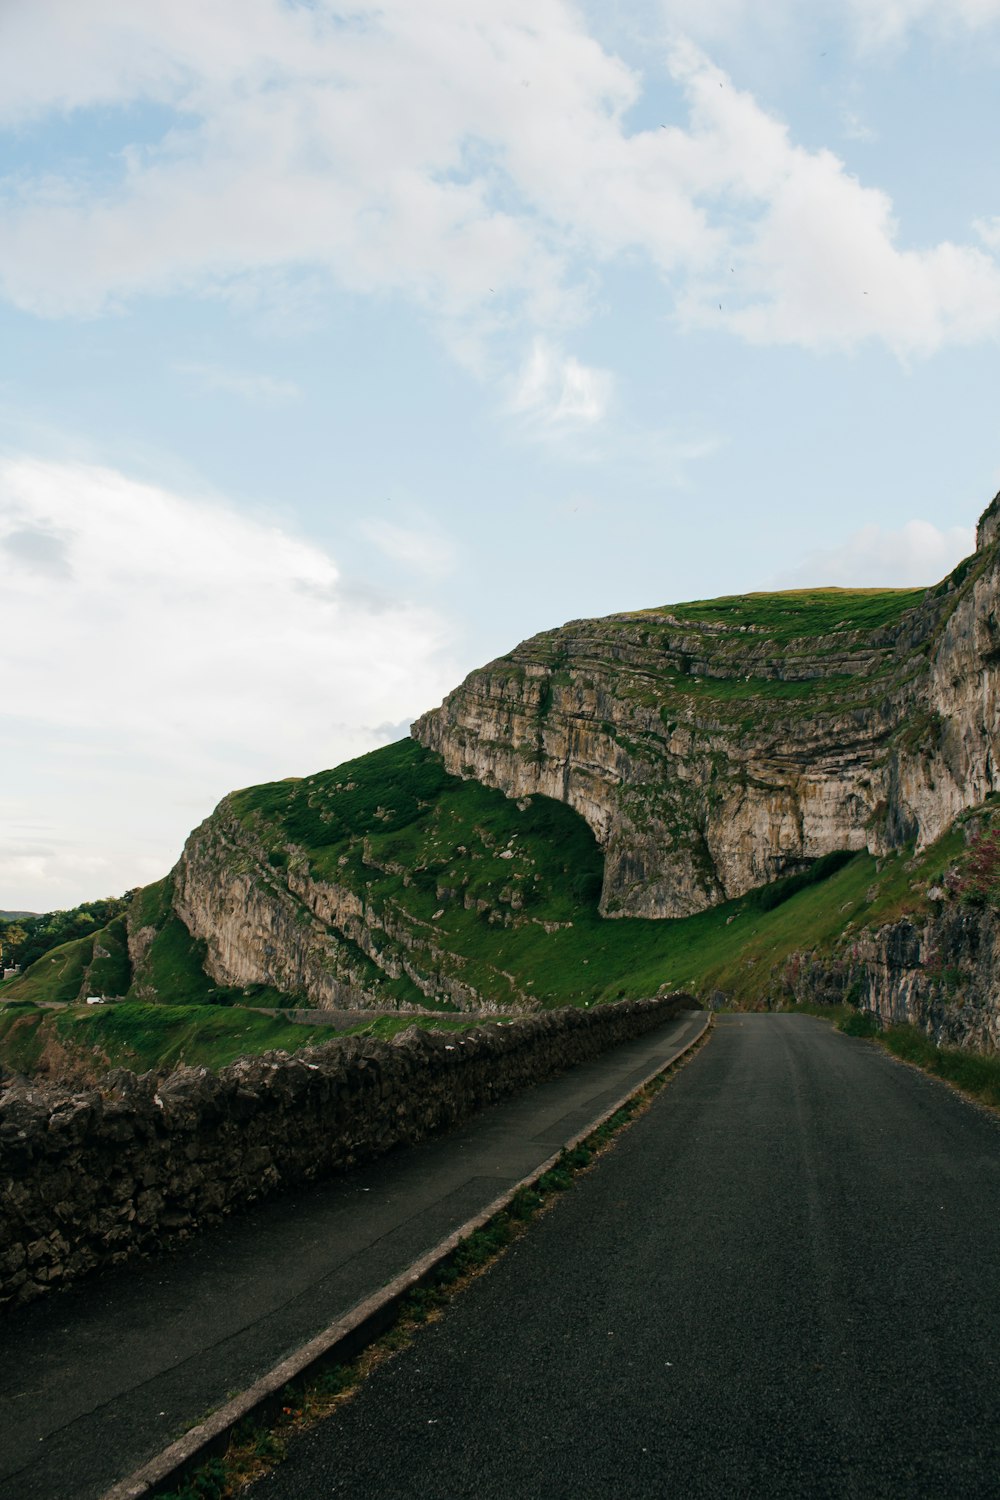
(715, 747)
(386, 882)
(305, 936)
(709, 748)
(940, 974)
(255, 929)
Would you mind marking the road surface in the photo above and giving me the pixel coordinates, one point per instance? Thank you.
(784, 1280)
(98, 1380)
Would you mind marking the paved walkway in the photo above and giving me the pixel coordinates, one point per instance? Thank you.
(97, 1380)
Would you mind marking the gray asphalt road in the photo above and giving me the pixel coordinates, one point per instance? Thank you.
(783, 1281)
(97, 1380)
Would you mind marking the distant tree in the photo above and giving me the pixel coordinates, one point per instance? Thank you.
(12, 938)
(29, 938)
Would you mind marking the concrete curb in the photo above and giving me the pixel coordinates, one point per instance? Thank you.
(345, 1339)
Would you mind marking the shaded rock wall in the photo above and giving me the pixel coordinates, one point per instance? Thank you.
(941, 975)
(91, 1178)
(259, 927)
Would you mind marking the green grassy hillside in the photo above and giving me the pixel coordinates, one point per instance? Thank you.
(799, 613)
(450, 894)
(87, 1040)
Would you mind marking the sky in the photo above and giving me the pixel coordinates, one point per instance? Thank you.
(341, 348)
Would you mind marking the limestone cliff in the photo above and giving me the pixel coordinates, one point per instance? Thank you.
(694, 761)
(385, 882)
(940, 973)
(714, 747)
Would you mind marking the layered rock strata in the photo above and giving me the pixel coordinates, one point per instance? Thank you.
(285, 929)
(713, 749)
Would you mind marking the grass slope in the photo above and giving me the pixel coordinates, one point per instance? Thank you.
(91, 1039)
(502, 895)
(799, 613)
(57, 976)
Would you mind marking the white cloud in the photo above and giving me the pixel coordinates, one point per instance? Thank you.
(472, 155)
(718, 20)
(257, 388)
(916, 554)
(361, 146)
(883, 21)
(179, 649)
(816, 261)
(557, 391)
(421, 548)
(873, 24)
(855, 128)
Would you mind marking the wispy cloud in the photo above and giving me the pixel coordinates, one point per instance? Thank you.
(855, 128)
(555, 390)
(421, 547)
(243, 383)
(881, 22)
(914, 554)
(871, 25)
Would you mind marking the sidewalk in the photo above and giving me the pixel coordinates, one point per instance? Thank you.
(98, 1380)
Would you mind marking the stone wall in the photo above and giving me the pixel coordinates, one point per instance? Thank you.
(90, 1178)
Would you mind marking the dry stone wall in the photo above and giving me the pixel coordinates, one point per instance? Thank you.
(89, 1178)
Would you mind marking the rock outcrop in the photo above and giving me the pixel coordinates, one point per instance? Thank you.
(940, 974)
(279, 928)
(334, 941)
(713, 748)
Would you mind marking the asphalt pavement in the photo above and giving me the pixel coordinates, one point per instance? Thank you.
(782, 1281)
(99, 1379)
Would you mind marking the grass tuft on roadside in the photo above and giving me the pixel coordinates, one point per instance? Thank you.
(974, 1073)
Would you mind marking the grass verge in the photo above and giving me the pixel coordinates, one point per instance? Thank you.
(89, 1040)
(975, 1074)
(255, 1448)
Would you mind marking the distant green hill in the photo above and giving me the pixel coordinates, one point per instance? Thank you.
(25, 936)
